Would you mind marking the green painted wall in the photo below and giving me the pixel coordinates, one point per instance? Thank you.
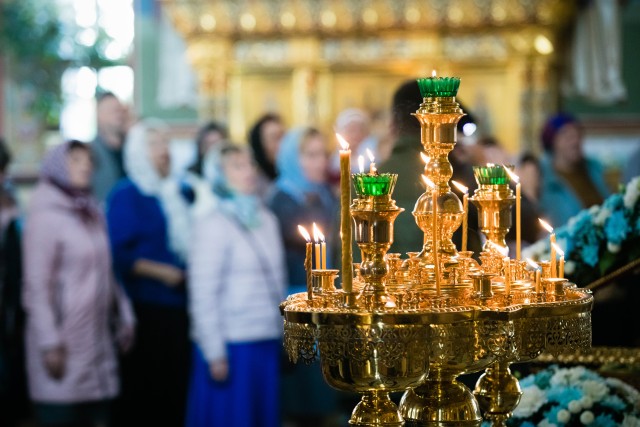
(146, 66)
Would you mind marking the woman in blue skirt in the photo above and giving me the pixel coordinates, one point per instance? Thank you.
(236, 282)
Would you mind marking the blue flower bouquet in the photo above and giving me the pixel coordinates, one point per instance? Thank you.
(557, 397)
(598, 240)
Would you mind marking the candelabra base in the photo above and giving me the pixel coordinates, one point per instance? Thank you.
(376, 410)
(440, 404)
(498, 392)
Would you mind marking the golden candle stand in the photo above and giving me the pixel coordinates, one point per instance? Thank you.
(406, 331)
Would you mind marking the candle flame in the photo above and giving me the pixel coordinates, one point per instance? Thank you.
(558, 249)
(433, 73)
(546, 225)
(343, 142)
(361, 164)
(303, 231)
(316, 237)
(426, 159)
(460, 187)
(512, 175)
(532, 263)
(370, 155)
(429, 183)
(490, 165)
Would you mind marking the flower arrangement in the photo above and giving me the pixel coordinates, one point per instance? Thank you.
(598, 240)
(576, 396)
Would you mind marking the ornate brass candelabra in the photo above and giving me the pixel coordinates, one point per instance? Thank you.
(416, 324)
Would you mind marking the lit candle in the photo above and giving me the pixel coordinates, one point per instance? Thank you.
(434, 232)
(561, 265)
(516, 179)
(323, 244)
(506, 263)
(536, 274)
(316, 246)
(552, 240)
(307, 259)
(465, 212)
(372, 164)
(345, 214)
(361, 164)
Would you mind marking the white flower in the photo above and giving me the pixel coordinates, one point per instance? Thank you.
(602, 216)
(593, 210)
(563, 416)
(596, 390)
(630, 421)
(569, 267)
(575, 406)
(587, 418)
(546, 423)
(586, 402)
(631, 193)
(613, 247)
(532, 399)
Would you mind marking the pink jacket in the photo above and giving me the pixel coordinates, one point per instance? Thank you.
(70, 297)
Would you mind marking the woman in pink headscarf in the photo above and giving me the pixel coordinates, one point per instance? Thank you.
(75, 311)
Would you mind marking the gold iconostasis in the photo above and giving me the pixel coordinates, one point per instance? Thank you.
(310, 59)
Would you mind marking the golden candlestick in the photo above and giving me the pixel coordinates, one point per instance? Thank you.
(438, 117)
(412, 327)
(494, 199)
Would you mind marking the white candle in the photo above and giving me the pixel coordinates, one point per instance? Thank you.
(372, 164)
(307, 259)
(552, 241)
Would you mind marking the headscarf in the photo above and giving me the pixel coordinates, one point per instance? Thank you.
(243, 207)
(259, 154)
(552, 127)
(55, 170)
(140, 170)
(292, 179)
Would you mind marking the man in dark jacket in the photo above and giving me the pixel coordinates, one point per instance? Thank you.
(107, 147)
(406, 162)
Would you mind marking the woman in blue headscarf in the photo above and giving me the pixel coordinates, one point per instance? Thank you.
(570, 181)
(303, 196)
(236, 283)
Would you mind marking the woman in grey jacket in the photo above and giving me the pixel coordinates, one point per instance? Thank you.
(236, 282)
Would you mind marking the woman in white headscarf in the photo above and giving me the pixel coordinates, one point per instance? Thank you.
(236, 283)
(148, 222)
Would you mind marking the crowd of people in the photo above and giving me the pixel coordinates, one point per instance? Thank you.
(145, 298)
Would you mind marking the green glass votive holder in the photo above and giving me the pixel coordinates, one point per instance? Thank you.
(492, 175)
(427, 86)
(438, 86)
(374, 184)
(447, 86)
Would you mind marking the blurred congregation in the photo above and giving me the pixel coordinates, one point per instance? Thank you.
(141, 285)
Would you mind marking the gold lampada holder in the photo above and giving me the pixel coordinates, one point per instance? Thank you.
(397, 334)
(439, 117)
(494, 203)
(373, 218)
